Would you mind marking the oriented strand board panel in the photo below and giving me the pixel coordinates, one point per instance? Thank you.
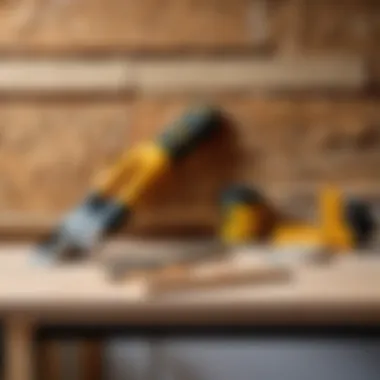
(50, 151)
(136, 25)
(345, 25)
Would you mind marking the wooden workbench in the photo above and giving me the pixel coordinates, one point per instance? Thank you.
(346, 290)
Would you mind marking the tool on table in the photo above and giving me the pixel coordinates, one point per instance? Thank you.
(241, 209)
(246, 215)
(344, 224)
(113, 198)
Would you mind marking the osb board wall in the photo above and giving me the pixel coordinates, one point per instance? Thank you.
(51, 150)
(82, 80)
(131, 25)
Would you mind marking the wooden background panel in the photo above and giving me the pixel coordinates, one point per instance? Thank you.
(50, 151)
(345, 25)
(135, 25)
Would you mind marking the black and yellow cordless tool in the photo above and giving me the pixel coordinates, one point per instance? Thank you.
(115, 195)
(344, 224)
(246, 215)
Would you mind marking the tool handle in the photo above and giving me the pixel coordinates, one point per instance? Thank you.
(188, 132)
(108, 181)
(177, 141)
(150, 162)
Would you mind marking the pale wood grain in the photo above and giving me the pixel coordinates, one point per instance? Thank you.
(346, 289)
(214, 276)
(63, 76)
(180, 76)
(194, 76)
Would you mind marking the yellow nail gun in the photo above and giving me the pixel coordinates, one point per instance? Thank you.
(246, 215)
(344, 224)
(116, 194)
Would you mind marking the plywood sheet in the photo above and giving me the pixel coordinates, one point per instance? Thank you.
(347, 25)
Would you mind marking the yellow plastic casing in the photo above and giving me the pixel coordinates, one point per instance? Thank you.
(134, 173)
(289, 234)
(331, 230)
(333, 224)
(241, 221)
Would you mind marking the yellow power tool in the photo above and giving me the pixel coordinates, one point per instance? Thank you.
(344, 224)
(245, 215)
(116, 194)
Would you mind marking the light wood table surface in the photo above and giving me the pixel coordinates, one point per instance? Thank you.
(346, 290)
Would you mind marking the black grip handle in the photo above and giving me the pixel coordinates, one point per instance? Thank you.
(196, 126)
(240, 194)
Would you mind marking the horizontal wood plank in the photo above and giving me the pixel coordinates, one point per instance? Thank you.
(62, 76)
(168, 76)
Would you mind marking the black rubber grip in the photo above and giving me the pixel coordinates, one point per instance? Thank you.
(361, 221)
(115, 216)
(95, 201)
(241, 194)
(192, 129)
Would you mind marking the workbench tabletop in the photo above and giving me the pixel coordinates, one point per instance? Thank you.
(346, 289)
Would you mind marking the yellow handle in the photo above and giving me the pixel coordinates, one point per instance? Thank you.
(290, 234)
(146, 165)
(108, 181)
(333, 224)
(239, 224)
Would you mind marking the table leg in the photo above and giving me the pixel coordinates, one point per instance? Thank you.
(49, 360)
(18, 348)
(91, 360)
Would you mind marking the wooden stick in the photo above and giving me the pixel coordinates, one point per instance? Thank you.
(214, 275)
